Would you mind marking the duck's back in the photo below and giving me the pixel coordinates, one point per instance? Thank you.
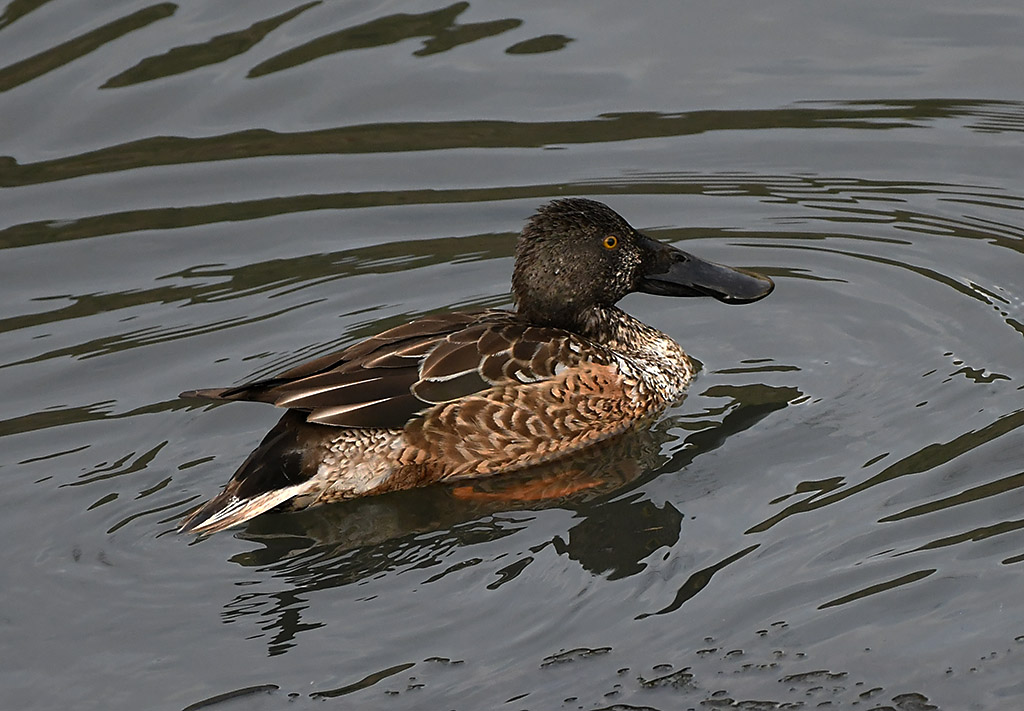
(391, 378)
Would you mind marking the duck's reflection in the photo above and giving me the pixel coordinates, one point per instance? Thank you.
(468, 511)
(332, 546)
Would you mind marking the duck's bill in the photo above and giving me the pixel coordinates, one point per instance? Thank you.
(673, 272)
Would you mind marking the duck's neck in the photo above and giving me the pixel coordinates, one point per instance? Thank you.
(645, 353)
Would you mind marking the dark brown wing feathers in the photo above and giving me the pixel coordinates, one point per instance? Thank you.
(449, 359)
(433, 392)
(389, 378)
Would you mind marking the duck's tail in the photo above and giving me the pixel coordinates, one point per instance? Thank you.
(226, 509)
(282, 468)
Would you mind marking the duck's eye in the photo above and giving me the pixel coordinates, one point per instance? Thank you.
(611, 242)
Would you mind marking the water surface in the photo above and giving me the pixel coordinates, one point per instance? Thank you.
(197, 196)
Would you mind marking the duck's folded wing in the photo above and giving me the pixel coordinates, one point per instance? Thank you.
(389, 378)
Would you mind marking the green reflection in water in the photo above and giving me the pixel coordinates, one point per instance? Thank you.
(218, 49)
(439, 28)
(28, 69)
(447, 135)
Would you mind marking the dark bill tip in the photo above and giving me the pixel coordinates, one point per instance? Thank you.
(672, 272)
(744, 287)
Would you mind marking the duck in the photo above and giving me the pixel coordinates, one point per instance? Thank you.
(462, 395)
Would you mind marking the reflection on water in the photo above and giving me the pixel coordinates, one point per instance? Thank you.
(217, 49)
(452, 135)
(205, 284)
(323, 548)
(31, 68)
(439, 27)
(926, 459)
(831, 517)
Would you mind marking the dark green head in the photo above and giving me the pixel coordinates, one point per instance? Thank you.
(576, 254)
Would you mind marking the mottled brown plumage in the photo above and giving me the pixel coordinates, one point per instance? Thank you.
(470, 394)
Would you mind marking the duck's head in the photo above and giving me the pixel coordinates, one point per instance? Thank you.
(577, 254)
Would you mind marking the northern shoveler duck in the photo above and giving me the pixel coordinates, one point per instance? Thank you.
(470, 394)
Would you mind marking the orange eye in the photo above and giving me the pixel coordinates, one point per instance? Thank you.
(611, 242)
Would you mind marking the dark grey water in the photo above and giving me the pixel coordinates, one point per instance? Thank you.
(199, 194)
